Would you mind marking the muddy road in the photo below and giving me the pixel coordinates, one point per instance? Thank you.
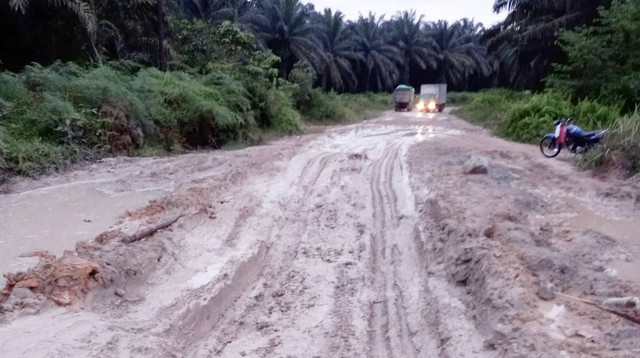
(367, 240)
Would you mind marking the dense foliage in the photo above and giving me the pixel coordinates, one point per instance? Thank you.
(603, 61)
(524, 44)
(369, 54)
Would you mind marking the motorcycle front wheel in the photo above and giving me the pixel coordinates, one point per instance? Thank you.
(549, 147)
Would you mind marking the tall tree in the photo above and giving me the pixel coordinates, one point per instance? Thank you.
(458, 52)
(216, 10)
(81, 9)
(603, 60)
(531, 27)
(416, 48)
(380, 59)
(44, 31)
(285, 28)
(337, 72)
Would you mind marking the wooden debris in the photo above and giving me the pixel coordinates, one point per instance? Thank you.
(626, 316)
(151, 230)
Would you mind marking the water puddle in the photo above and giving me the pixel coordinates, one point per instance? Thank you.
(624, 231)
(628, 271)
(619, 229)
(55, 218)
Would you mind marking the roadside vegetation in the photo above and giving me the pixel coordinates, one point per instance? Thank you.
(162, 76)
(597, 85)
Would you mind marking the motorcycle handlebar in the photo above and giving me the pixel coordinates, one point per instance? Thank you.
(560, 120)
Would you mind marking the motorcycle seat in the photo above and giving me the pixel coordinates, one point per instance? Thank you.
(592, 133)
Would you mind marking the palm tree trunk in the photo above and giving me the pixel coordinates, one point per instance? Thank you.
(406, 69)
(442, 74)
(160, 34)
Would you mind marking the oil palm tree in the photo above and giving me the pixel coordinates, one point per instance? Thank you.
(471, 33)
(337, 72)
(81, 9)
(457, 53)
(215, 10)
(379, 59)
(284, 26)
(530, 31)
(416, 48)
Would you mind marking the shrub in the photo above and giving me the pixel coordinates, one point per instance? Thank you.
(278, 112)
(528, 120)
(319, 106)
(52, 116)
(621, 147)
(526, 117)
(459, 98)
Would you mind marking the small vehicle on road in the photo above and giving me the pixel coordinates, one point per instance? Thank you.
(433, 97)
(570, 136)
(402, 97)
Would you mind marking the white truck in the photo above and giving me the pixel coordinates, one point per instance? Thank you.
(433, 97)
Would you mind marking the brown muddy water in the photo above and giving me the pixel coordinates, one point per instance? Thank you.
(626, 231)
(55, 218)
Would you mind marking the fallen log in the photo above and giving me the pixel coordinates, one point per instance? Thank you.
(151, 230)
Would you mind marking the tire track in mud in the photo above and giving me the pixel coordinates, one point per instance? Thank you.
(389, 334)
(286, 233)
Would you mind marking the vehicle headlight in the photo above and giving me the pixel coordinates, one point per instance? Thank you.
(431, 105)
(420, 105)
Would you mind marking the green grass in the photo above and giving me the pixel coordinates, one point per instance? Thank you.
(526, 117)
(326, 108)
(459, 98)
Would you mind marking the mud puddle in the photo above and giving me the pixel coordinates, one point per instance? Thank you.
(619, 229)
(628, 271)
(55, 218)
(625, 231)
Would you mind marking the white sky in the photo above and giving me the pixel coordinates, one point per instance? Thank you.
(451, 10)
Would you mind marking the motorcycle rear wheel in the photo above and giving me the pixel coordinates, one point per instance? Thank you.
(549, 147)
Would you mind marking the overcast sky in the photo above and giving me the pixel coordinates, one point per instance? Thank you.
(451, 10)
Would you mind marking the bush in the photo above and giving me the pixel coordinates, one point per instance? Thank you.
(526, 117)
(489, 108)
(317, 106)
(459, 98)
(329, 107)
(278, 112)
(621, 148)
(528, 120)
(52, 116)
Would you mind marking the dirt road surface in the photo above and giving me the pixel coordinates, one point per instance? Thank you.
(367, 240)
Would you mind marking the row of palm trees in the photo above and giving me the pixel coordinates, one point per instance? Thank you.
(370, 53)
